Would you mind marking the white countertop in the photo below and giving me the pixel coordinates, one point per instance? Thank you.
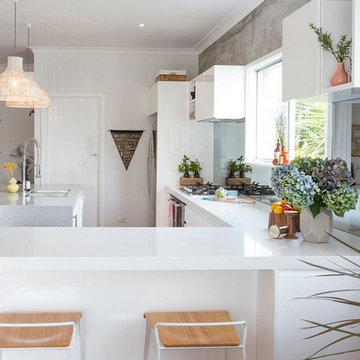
(12, 199)
(226, 214)
(156, 249)
(15, 210)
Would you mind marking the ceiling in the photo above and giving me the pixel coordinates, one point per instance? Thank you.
(170, 24)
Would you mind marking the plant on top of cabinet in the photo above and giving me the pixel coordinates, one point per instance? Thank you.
(341, 52)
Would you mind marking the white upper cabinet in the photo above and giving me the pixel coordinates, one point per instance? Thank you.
(220, 93)
(307, 68)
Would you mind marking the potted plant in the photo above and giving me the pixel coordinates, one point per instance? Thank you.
(184, 167)
(232, 168)
(321, 187)
(195, 168)
(341, 52)
(242, 167)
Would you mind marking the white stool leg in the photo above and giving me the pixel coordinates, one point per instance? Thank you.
(146, 345)
(243, 354)
(79, 341)
(225, 357)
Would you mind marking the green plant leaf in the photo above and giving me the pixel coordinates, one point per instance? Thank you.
(315, 208)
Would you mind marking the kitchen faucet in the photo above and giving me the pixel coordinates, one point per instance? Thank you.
(36, 166)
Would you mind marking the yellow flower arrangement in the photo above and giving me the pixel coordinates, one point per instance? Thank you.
(10, 168)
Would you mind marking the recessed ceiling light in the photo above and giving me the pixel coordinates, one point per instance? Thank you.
(141, 25)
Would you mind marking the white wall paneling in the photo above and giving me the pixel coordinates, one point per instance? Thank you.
(124, 78)
(71, 133)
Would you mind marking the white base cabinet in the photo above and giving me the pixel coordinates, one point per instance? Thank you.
(193, 219)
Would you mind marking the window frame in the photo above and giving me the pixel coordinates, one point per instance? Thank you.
(251, 123)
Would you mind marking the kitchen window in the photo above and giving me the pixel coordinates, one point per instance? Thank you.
(300, 125)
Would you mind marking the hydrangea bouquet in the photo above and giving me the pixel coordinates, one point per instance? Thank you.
(316, 183)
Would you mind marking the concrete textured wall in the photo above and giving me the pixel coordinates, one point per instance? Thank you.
(256, 35)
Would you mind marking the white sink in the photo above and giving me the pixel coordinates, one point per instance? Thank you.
(49, 192)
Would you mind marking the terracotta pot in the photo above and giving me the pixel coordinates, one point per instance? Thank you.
(340, 76)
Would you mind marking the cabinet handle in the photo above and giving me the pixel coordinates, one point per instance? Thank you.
(75, 217)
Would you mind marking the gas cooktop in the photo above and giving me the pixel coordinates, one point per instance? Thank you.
(244, 189)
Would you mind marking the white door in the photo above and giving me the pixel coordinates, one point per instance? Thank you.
(69, 140)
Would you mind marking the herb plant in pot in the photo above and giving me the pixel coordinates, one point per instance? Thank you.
(195, 168)
(232, 168)
(321, 187)
(242, 167)
(184, 167)
(341, 52)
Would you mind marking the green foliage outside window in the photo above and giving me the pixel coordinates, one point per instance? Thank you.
(310, 134)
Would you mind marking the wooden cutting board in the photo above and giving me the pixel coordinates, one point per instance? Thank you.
(235, 201)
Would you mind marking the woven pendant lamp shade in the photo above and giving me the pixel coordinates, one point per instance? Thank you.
(15, 85)
(43, 103)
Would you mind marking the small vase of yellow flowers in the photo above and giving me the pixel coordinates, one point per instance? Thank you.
(12, 187)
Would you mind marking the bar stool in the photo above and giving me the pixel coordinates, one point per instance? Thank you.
(194, 330)
(40, 331)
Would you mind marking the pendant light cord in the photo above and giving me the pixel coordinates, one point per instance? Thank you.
(28, 48)
(14, 27)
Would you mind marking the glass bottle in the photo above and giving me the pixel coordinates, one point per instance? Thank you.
(277, 150)
(284, 156)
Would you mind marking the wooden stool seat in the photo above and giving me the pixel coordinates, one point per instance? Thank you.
(37, 337)
(196, 336)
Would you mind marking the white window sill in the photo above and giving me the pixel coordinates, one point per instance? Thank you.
(260, 163)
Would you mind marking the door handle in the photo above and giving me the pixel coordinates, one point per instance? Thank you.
(94, 155)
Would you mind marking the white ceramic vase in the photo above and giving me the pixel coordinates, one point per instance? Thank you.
(314, 229)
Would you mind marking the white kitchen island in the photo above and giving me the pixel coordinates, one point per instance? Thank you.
(113, 275)
(50, 205)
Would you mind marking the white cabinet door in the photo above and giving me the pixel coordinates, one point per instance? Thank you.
(220, 93)
(192, 219)
(301, 53)
(307, 69)
(69, 138)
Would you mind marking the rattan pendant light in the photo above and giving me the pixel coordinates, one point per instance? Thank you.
(15, 85)
(44, 101)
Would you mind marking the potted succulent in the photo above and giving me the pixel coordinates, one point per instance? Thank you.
(184, 167)
(242, 167)
(232, 168)
(195, 168)
(322, 187)
(341, 52)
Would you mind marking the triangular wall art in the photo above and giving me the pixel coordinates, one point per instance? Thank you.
(126, 142)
